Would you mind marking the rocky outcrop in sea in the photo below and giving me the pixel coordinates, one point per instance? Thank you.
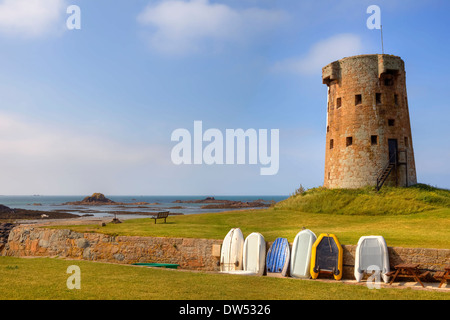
(99, 199)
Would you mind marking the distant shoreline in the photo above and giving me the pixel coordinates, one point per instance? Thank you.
(134, 206)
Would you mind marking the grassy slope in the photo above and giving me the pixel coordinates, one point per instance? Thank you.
(45, 278)
(366, 201)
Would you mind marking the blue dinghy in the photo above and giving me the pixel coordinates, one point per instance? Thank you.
(277, 260)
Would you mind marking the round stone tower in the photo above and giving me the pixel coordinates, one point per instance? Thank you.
(368, 139)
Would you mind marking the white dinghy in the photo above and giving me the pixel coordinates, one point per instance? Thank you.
(254, 255)
(231, 252)
(301, 254)
(371, 255)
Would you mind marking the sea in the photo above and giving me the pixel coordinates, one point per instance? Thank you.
(158, 203)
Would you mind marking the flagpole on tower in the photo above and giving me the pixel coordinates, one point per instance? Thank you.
(382, 46)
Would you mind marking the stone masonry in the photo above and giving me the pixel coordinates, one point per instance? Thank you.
(5, 229)
(190, 254)
(193, 254)
(367, 122)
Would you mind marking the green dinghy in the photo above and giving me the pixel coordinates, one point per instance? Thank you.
(158, 265)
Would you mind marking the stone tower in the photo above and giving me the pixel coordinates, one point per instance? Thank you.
(368, 139)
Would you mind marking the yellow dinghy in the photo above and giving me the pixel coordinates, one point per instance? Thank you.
(327, 256)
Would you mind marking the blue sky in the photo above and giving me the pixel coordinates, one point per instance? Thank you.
(92, 110)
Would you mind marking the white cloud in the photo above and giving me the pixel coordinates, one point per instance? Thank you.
(321, 54)
(181, 27)
(31, 18)
(38, 158)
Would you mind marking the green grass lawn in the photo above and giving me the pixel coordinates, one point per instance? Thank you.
(427, 229)
(45, 278)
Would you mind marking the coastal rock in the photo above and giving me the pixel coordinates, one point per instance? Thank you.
(7, 213)
(98, 199)
(95, 199)
(206, 200)
(5, 209)
(212, 203)
(236, 204)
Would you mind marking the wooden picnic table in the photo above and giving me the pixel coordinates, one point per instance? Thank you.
(408, 270)
(443, 275)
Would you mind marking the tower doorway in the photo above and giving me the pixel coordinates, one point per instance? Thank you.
(392, 143)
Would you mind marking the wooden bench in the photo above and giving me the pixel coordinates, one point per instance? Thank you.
(160, 215)
(443, 276)
(439, 275)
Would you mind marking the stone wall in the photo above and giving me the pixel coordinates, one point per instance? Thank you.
(193, 254)
(5, 229)
(190, 254)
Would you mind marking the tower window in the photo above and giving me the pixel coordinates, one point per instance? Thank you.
(391, 122)
(388, 82)
(396, 99)
(331, 143)
(358, 99)
(378, 98)
(406, 142)
(374, 140)
(349, 141)
(328, 128)
(338, 102)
